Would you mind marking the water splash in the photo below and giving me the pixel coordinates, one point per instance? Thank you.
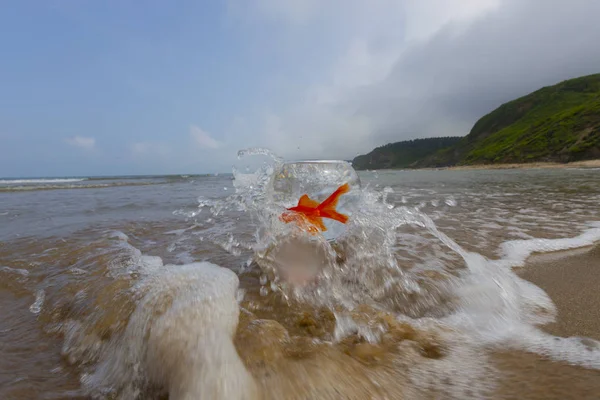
(360, 267)
(178, 337)
(36, 307)
(365, 265)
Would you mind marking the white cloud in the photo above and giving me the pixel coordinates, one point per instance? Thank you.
(87, 143)
(401, 69)
(426, 17)
(331, 118)
(202, 138)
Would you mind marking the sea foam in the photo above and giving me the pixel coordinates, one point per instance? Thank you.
(32, 181)
(179, 338)
(498, 308)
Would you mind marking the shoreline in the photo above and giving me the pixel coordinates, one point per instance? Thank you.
(592, 164)
(571, 279)
(533, 165)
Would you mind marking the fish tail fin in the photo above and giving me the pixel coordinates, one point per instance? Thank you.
(332, 214)
(327, 207)
(331, 202)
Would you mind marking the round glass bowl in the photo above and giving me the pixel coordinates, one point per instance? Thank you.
(318, 179)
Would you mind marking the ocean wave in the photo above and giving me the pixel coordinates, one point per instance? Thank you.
(84, 186)
(516, 252)
(42, 180)
(146, 177)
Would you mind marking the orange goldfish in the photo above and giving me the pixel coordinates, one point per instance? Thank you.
(309, 214)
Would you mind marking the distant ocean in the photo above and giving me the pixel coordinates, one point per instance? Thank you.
(20, 184)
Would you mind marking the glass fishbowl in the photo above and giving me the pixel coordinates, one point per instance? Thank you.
(318, 179)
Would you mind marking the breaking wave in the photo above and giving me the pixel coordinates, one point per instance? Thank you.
(43, 180)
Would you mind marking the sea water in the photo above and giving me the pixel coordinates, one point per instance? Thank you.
(138, 287)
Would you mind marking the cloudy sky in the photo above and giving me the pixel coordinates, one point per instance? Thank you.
(145, 87)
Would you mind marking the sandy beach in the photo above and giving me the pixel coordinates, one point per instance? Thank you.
(541, 165)
(571, 279)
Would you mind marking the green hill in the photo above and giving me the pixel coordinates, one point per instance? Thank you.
(403, 154)
(559, 123)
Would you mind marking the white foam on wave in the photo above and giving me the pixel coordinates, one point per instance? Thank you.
(33, 181)
(515, 252)
(19, 271)
(499, 308)
(179, 338)
(36, 307)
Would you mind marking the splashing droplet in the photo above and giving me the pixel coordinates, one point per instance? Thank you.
(451, 201)
(36, 307)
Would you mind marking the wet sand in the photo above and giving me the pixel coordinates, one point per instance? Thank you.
(544, 165)
(528, 376)
(572, 280)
